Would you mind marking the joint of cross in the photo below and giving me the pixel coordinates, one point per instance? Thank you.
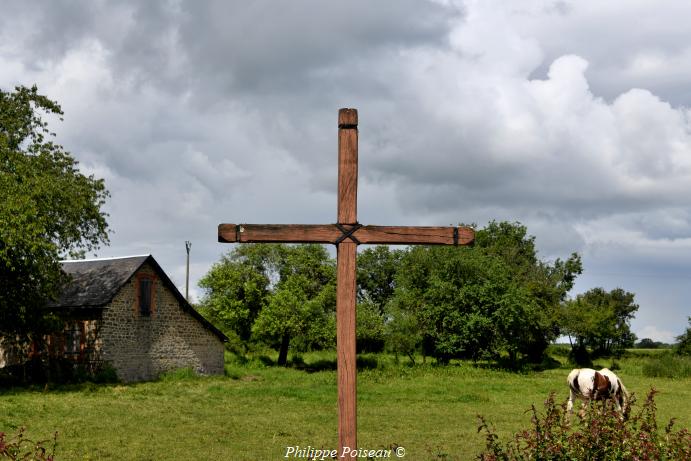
(347, 232)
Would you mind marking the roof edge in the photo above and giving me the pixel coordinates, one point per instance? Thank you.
(186, 306)
(104, 259)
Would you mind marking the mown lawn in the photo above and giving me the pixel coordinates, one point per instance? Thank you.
(256, 411)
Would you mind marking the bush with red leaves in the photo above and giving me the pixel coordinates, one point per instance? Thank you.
(19, 448)
(602, 435)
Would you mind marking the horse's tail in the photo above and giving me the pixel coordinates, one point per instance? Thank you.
(572, 380)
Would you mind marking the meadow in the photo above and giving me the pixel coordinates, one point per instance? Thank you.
(257, 410)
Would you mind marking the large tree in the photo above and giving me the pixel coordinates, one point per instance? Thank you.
(599, 320)
(303, 303)
(547, 282)
(491, 299)
(238, 287)
(467, 304)
(48, 210)
(274, 293)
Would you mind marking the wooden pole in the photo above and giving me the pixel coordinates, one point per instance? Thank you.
(346, 288)
(188, 246)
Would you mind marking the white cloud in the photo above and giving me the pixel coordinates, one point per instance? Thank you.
(571, 117)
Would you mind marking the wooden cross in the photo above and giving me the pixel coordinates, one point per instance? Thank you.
(346, 234)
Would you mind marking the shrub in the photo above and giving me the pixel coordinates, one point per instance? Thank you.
(178, 374)
(105, 374)
(17, 447)
(683, 346)
(55, 371)
(370, 327)
(668, 366)
(598, 435)
(297, 361)
(234, 344)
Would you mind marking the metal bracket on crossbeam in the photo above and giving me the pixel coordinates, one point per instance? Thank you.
(347, 233)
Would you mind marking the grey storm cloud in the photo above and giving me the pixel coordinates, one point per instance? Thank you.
(571, 117)
(246, 47)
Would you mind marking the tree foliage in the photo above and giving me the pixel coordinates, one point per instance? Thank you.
(238, 288)
(683, 346)
(647, 343)
(599, 320)
(376, 274)
(547, 282)
(303, 302)
(48, 210)
(494, 300)
(491, 299)
(370, 330)
(274, 293)
(402, 331)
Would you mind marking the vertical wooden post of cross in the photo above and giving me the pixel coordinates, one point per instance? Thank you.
(346, 273)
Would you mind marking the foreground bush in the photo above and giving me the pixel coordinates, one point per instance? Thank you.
(596, 435)
(17, 447)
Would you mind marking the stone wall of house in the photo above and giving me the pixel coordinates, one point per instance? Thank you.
(141, 347)
(79, 341)
(13, 351)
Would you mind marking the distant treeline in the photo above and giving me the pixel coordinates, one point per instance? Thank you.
(495, 300)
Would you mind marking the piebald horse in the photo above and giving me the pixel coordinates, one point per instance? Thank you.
(588, 384)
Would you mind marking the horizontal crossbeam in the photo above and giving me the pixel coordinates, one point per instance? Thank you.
(330, 233)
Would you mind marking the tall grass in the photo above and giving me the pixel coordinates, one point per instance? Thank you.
(668, 365)
(258, 409)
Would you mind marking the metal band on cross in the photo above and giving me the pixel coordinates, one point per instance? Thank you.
(347, 233)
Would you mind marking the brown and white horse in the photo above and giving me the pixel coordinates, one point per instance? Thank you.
(588, 384)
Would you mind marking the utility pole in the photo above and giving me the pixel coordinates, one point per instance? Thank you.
(188, 246)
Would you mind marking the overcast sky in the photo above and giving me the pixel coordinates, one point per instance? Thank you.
(571, 117)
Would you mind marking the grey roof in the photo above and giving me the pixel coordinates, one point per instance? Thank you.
(95, 282)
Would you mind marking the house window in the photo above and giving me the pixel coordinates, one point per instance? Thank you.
(145, 296)
(73, 341)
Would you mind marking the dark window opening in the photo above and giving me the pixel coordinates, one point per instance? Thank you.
(145, 297)
(73, 342)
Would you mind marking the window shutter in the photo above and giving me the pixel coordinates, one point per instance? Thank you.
(145, 297)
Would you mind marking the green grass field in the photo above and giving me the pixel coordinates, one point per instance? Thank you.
(256, 411)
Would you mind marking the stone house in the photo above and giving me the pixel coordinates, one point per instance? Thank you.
(127, 313)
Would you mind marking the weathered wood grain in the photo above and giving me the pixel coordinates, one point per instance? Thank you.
(345, 341)
(347, 166)
(345, 276)
(329, 233)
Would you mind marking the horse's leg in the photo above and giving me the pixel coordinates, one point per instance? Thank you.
(569, 405)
